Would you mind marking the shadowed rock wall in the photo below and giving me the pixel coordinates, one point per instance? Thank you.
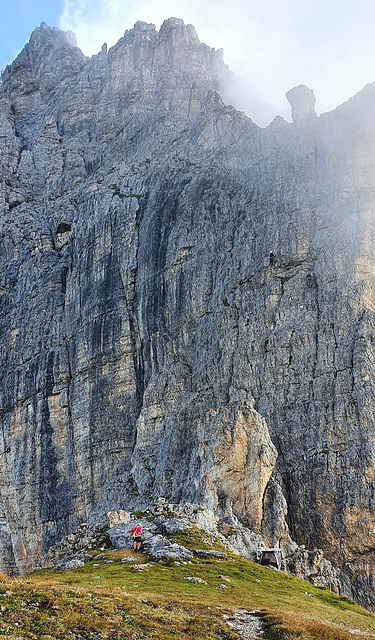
(149, 346)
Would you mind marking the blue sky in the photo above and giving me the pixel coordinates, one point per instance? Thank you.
(273, 44)
(18, 19)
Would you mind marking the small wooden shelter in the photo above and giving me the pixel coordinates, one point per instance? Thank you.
(271, 558)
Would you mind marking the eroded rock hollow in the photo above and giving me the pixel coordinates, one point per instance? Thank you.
(186, 300)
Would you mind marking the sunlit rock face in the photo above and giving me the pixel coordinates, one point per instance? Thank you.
(150, 345)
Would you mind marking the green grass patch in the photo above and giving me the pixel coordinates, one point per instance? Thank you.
(108, 599)
(194, 538)
(143, 515)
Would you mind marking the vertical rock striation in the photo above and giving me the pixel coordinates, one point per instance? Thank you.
(149, 346)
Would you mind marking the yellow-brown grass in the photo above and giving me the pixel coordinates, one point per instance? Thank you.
(110, 600)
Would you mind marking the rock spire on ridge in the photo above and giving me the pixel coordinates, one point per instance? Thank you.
(302, 101)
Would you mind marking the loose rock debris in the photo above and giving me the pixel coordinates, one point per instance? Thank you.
(195, 579)
(248, 624)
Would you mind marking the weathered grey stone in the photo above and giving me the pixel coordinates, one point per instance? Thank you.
(84, 538)
(210, 553)
(148, 345)
(173, 525)
(69, 564)
(245, 542)
(248, 624)
(313, 566)
(141, 567)
(195, 579)
(120, 534)
(118, 517)
(162, 549)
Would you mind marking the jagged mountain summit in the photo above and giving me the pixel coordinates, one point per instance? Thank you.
(186, 301)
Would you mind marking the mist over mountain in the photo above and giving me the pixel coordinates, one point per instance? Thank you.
(186, 301)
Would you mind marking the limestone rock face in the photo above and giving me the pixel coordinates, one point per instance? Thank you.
(149, 346)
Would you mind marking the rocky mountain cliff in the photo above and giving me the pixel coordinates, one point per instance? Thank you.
(186, 300)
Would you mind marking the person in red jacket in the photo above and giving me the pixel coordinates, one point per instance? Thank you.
(137, 533)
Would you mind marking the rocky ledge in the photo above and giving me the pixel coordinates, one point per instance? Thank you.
(163, 519)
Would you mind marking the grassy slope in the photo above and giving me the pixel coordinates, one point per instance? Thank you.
(113, 601)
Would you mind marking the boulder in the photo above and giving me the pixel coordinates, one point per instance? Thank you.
(118, 517)
(173, 525)
(69, 564)
(161, 548)
(120, 534)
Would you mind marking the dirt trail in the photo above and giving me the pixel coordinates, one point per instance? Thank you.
(248, 624)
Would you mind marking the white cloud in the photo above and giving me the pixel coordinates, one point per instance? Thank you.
(94, 22)
(273, 44)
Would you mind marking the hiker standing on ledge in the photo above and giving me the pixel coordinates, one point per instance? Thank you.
(272, 259)
(137, 533)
